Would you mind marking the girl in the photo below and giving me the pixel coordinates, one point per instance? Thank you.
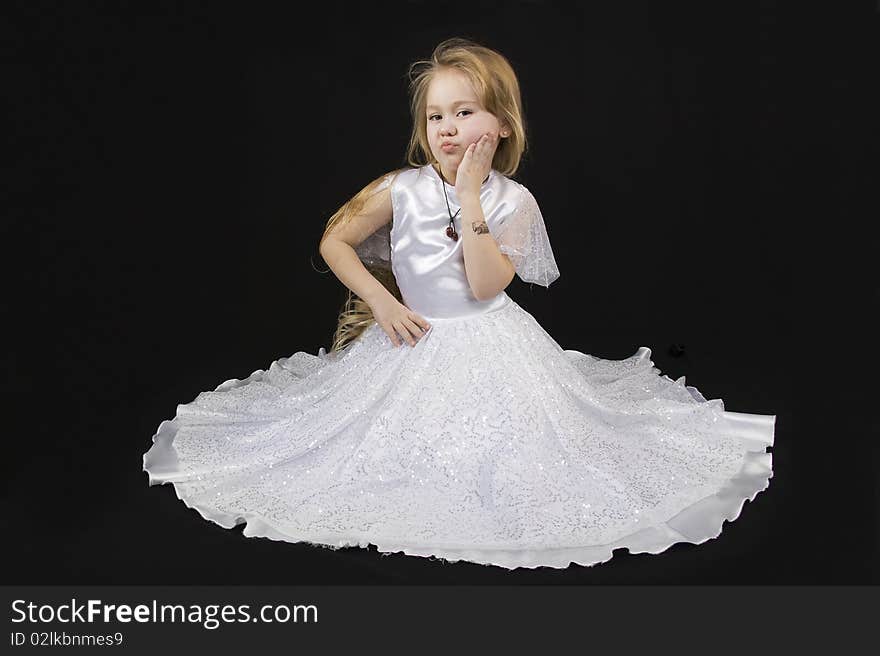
(445, 421)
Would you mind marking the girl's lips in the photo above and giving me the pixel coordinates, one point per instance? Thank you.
(448, 147)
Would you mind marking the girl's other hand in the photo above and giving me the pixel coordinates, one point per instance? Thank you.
(394, 317)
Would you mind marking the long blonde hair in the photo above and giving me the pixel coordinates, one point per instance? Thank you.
(497, 87)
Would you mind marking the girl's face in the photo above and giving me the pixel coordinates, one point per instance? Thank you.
(457, 123)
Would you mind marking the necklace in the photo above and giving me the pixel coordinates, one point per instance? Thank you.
(450, 230)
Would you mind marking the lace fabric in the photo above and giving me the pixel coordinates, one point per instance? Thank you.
(486, 442)
(523, 238)
(375, 250)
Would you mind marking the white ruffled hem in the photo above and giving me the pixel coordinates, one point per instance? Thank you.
(700, 521)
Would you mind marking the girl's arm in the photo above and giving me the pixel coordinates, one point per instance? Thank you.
(338, 246)
(488, 270)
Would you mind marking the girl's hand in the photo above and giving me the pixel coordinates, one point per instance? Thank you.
(392, 315)
(475, 165)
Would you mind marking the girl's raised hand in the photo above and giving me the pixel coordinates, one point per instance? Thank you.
(394, 317)
(476, 164)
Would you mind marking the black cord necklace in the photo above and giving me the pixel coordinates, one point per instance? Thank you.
(450, 230)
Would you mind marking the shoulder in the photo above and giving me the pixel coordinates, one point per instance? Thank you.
(405, 176)
(512, 196)
(511, 190)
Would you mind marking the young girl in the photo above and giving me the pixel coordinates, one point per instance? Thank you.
(445, 421)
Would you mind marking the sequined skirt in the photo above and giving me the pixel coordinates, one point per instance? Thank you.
(486, 442)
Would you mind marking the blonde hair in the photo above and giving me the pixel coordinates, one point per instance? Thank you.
(496, 85)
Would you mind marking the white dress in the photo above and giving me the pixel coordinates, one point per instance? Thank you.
(486, 442)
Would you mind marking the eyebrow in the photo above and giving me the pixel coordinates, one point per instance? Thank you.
(457, 102)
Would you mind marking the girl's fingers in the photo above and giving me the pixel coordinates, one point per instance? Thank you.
(404, 331)
(417, 331)
(421, 323)
(405, 336)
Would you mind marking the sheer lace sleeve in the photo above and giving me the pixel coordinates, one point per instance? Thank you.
(522, 236)
(375, 250)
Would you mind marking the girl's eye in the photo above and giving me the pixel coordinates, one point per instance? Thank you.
(431, 117)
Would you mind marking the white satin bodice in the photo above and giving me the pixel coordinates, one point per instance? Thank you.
(427, 264)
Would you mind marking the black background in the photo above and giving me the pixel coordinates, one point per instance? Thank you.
(705, 172)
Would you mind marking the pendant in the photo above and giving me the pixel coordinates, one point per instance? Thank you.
(451, 233)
